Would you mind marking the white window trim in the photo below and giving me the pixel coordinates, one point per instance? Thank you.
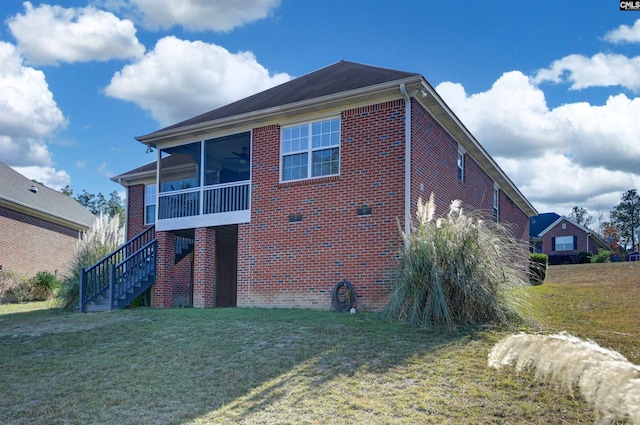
(147, 203)
(496, 202)
(310, 149)
(565, 244)
(460, 163)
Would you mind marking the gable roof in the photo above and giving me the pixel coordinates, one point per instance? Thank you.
(45, 203)
(310, 91)
(340, 77)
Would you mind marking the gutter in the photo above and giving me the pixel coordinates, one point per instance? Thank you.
(407, 158)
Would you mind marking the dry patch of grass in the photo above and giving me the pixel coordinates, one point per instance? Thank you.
(594, 301)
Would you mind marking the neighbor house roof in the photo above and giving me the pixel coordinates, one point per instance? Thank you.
(21, 194)
(342, 83)
(541, 222)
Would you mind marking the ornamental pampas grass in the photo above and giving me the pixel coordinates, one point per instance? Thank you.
(458, 269)
(605, 378)
(100, 240)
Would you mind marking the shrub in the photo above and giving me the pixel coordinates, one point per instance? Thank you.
(13, 288)
(538, 268)
(7, 281)
(43, 286)
(584, 257)
(457, 270)
(603, 256)
(100, 240)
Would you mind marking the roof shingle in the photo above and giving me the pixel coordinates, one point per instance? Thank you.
(337, 78)
(15, 189)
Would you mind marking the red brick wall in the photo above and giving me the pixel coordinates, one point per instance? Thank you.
(29, 244)
(571, 230)
(204, 267)
(514, 217)
(297, 264)
(162, 294)
(435, 166)
(135, 210)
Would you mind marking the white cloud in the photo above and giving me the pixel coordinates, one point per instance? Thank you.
(28, 115)
(180, 79)
(624, 34)
(27, 107)
(604, 136)
(203, 15)
(575, 154)
(513, 110)
(103, 171)
(49, 176)
(600, 70)
(48, 35)
(554, 179)
(28, 112)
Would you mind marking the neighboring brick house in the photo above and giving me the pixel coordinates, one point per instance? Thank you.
(289, 191)
(561, 238)
(39, 226)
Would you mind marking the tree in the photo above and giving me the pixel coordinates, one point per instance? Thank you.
(580, 216)
(626, 217)
(98, 204)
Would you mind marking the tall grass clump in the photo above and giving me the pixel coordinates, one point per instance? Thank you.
(458, 270)
(100, 240)
(605, 378)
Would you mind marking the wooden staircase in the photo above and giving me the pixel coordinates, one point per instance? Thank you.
(115, 281)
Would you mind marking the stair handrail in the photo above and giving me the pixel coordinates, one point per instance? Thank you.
(95, 280)
(130, 271)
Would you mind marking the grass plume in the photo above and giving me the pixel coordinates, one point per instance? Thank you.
(456, 270)
(100, 240)
(605, 378)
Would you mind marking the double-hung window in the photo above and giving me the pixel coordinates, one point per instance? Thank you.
(461, 165)
(564, 243)
(150, 204)
(311, 150)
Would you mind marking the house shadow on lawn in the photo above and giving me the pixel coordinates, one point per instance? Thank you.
(203, 366)
(324, 359)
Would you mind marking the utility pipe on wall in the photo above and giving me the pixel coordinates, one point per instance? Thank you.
(407, 158)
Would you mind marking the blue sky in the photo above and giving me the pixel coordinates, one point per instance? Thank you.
(550, 89)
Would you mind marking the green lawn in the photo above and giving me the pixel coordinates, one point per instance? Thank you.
(256, 366)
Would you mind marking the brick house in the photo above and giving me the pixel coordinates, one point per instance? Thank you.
(285, 193)
(39, 226)
(561, 238)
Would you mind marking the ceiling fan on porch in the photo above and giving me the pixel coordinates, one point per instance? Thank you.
(242, 157)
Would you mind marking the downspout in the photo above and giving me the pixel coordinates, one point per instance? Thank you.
(407, 159)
